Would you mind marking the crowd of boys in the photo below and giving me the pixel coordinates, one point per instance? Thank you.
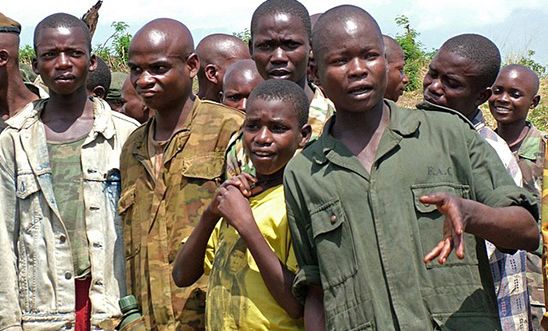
(290, 192)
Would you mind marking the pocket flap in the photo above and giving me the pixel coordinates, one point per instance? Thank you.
(420, 190)
(26, 185)
(327, 218)
(207, 166)
(127, 199)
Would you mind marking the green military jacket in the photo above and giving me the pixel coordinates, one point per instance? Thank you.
(159, 214)
(363, 236)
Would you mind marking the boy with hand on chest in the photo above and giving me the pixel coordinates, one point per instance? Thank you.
(248, 254)
(370, 207)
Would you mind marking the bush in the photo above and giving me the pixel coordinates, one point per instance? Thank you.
(115, 54)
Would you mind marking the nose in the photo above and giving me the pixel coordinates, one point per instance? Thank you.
(502, 97)
(144, 80)
(264, 136)
(241, 104)
(356, 68)
(278, 56)
(63, 60)
(432, 85)
(405, 79)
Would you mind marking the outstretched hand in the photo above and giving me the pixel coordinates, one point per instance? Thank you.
(244, 182)
(453, 226)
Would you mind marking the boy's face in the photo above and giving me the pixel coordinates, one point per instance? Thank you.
(237, 88)
(449, 82)
(396, 79)
(63, 59)
(272, 134)
(133, 105)
(159, 73)
(351, 65)
(513, 96)
(280, 48)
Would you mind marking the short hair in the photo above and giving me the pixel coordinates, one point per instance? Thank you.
(101, 76)
(62, 20)
(292, 7)
(337, 15)
(527, 71)
(481, 51)
(286, 91)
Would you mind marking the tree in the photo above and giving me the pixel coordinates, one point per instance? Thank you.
(415, 57)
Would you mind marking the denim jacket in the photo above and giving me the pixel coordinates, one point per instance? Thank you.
(37, 290)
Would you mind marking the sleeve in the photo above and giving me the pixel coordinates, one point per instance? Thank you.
(211, 247)
(10, 311)
(491, 184)
(303, 243)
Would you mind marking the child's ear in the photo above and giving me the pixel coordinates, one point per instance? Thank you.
(250, 47)
(193, 64)
(483, 96)
(4, 57)
(211, 73)
(99, 92)
(92, 63)
(35, 66)
(536, 100)
(306, 133)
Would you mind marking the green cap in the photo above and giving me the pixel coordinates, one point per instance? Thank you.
(9, 25)
(116, 83)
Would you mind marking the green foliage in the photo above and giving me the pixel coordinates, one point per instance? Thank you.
(114, 50)
(26, 54)
(245, 35)
(527, 60)
(415, 57)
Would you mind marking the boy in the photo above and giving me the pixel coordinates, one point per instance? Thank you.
(240, 79)
(367, 202)
(280, 47)
(60, 233)
(14, 95)
(216, 52)
(460, 77)
(132, 104)
(396, 79)
(171, 167)
(254, 294)
(98, 82)
(514, 94)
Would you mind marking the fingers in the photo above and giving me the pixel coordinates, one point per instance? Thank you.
(435, 252)
(244, 182)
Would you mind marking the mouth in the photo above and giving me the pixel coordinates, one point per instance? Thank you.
(360, 90)
(502, 109)
(431, 99)
(146, 93)
(263, 154)
(65, 78)
(279, 74)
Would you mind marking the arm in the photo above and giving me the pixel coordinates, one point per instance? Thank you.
(314, 317)
(278, 279)
(188, 266)
(510, 227)
(10, 311)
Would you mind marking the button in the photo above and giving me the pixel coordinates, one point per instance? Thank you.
(62, 238)
(99, 283)
(333, 219)
(68, 325)
(97, 245)
(68, 275)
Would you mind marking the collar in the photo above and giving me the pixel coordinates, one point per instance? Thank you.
(425, 105)
(531, 144)
(31, 113)
(403, 123)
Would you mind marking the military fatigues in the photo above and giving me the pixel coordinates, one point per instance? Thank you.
(160, 212)
(530, 156)
(319, 112)
(363, 236)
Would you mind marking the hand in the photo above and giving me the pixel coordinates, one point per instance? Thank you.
(244, 182)
(235, 209)
(453, 226)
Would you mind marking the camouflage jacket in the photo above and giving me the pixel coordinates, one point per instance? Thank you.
(160, 212)
(37, 285)
(544, 233)
(530, 156)
(321, 109)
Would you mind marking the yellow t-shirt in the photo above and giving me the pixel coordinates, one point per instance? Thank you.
(237, 297)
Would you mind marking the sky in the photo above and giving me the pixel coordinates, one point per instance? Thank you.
(515, 26)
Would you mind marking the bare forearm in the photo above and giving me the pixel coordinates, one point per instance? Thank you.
(314, 315)
(507, 227)
(277, 277)
(189, 263)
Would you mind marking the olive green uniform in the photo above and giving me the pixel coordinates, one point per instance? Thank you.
(363, 236)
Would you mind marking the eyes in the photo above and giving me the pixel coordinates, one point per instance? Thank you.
(270, 45)
(52, 54)
(513, 93)
(274, 127)
(153, 69)
(342, 59)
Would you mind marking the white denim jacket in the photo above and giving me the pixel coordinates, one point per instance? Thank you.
(37, 290)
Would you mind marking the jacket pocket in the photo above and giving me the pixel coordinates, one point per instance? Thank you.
(206, 166)
(29, 201)
(334, 242)
(127, 200)
(430, 222)
(26, 185)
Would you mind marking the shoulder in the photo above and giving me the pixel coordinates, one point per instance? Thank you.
(443, 114)
(215, 110)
